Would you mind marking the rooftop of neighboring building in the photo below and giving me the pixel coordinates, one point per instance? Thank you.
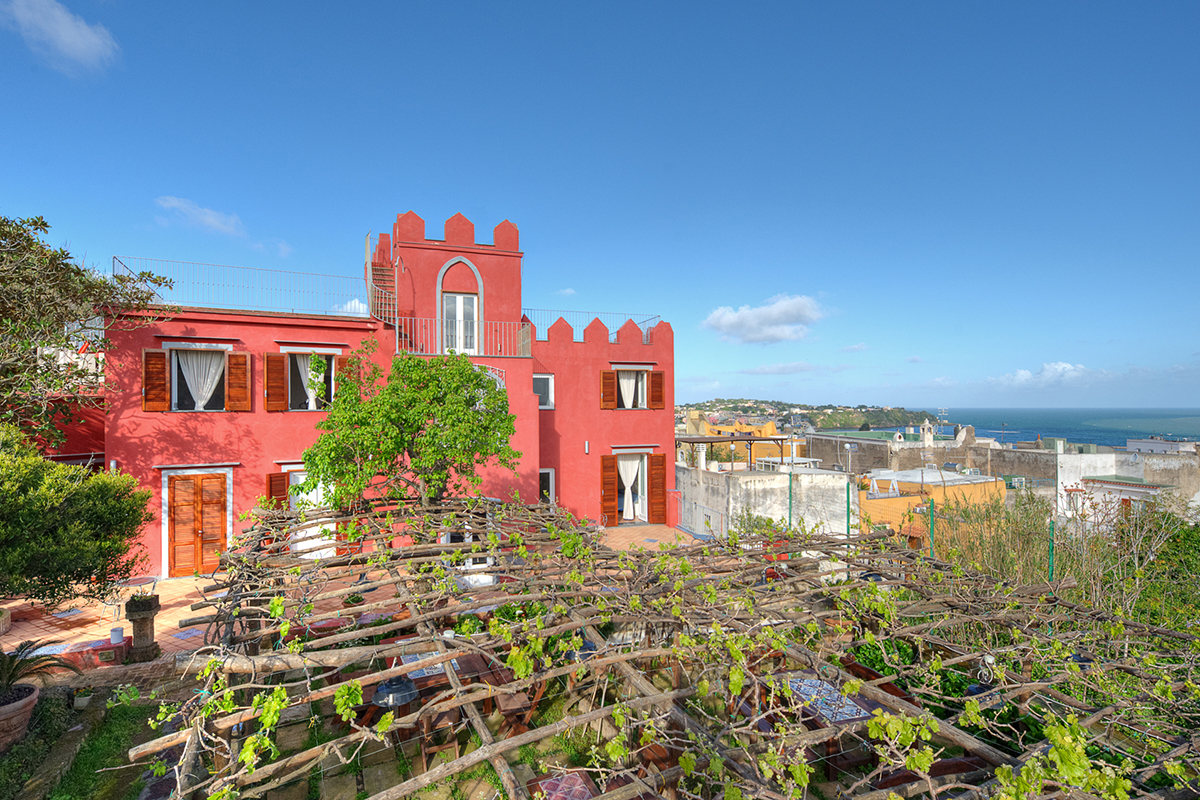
(928, 476)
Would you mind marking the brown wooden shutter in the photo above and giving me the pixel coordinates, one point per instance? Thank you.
(658, 488)
(156, 381)
(608, 389)
(656, 390)
(237, 381)
(275, 381)
(608, 490)
(277, 488)
(340, 365)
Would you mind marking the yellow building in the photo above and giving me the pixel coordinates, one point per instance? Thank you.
(697, 425)
(889, 497)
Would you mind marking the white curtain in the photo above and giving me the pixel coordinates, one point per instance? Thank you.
(202, 369)
(627, 379)
(304, 362)
(628, 467)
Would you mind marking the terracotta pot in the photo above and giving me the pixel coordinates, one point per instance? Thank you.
(14, 717)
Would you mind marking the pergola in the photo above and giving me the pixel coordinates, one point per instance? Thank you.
(754, 666)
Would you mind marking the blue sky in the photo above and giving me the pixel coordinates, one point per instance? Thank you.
(920, 204)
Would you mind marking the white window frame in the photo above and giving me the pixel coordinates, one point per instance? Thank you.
(550, 380)
(173, 367)
(316, 351)
(643, 386)
(456, 328)
(553, 499)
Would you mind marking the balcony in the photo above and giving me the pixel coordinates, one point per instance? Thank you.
(249, 289)
(424, 336)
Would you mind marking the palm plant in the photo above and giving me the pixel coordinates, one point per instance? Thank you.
(24, 663)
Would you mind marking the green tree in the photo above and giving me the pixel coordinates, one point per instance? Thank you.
(420, 434)
(52, 326)
(65, 532)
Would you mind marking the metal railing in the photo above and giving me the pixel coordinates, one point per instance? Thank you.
(481, 338)
(701, 521)
(249, 288)
(578, 320)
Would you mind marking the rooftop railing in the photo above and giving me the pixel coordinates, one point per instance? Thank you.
(250, 288)
(578, 320)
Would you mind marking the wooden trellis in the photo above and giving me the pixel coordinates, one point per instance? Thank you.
(708, 659)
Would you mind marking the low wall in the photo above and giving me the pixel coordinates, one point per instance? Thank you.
(817, 498)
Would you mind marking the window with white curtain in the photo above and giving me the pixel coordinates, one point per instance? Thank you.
(309, 387)
(197, 380)
(631, 388)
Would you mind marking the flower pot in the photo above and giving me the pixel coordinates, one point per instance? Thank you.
(141, 603)
(82, 701)
(15, 713)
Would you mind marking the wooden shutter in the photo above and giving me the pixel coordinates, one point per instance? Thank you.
(608, 390)
(608, 490)
(277, 488)
(656, 390)
(340, 365)
(156, 381)
(237, 381)
(658, 488)
(275, 381)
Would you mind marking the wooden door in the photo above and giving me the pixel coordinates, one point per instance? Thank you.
(196, 525)
(608, 490)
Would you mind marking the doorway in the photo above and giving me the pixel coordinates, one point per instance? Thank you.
(197, 515)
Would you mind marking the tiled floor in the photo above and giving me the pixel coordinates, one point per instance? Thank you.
(652, 537)
(90, 622)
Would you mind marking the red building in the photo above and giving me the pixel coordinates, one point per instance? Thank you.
(215, 409)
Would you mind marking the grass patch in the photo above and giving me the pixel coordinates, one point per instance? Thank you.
(107, 747)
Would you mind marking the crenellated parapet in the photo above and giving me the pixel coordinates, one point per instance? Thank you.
(596, 333)
(458, 231)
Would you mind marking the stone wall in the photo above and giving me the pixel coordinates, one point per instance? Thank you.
(1030, 463)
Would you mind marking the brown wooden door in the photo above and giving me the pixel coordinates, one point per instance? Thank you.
(608, 490)
(196, 527)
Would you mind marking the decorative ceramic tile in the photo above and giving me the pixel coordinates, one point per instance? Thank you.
(825, 700)
(569, 786)
(427, 672)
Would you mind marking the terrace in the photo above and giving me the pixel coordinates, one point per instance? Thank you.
(474, 642)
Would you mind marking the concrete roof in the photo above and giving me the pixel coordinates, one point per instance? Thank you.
(929, 476)
(1121, 479)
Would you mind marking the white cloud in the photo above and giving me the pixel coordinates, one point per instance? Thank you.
(193, 214)
(567, 292)
(1052, 374)
(783, 318)
(794, 368)
(353, 307)
(63, 39)
(915, 360)
(855, 348)
(285, 249)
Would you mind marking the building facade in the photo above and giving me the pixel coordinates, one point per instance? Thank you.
(216, 407)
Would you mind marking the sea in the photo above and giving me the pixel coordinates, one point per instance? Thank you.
(1103, 426)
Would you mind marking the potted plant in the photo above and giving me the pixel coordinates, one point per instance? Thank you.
(18, 699)
(83, 697)
(354, 600)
